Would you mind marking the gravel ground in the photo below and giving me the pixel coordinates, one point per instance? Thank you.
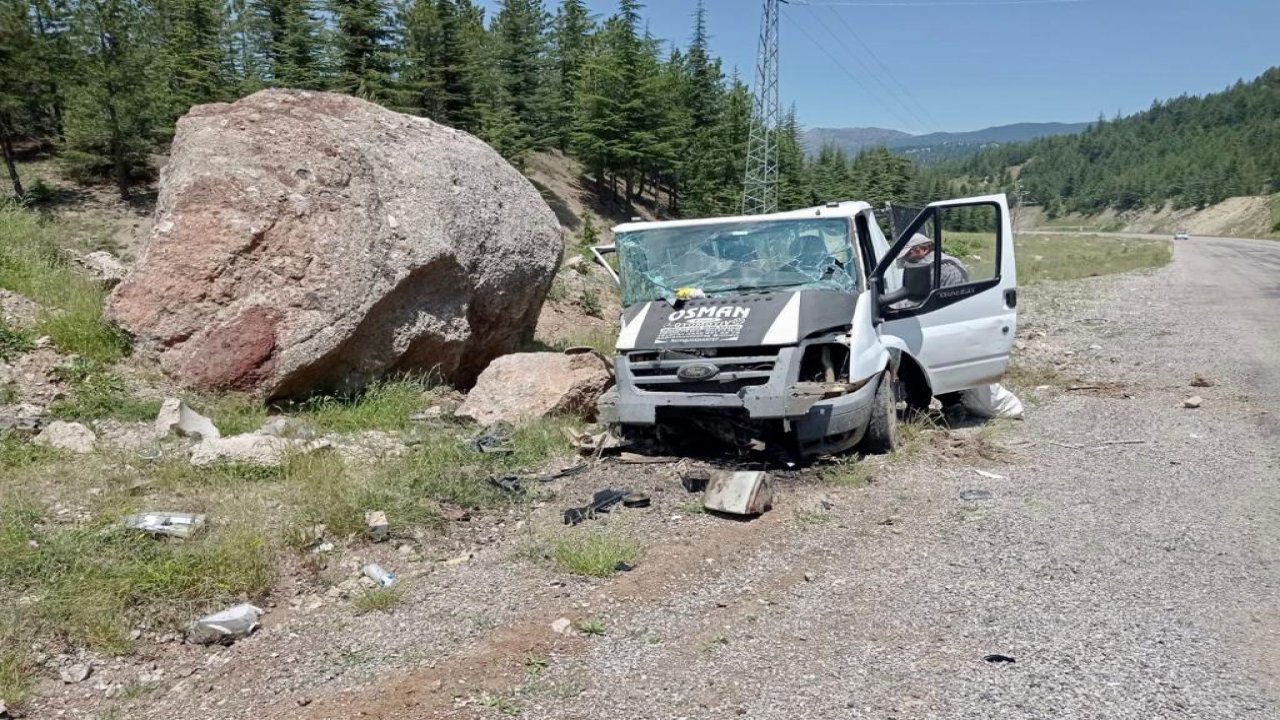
(1126, 580)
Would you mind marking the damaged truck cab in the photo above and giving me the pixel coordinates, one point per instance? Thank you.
(808, 327)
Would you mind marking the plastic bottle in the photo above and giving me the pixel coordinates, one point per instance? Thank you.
(374, 572)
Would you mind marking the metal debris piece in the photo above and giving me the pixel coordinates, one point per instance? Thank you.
(997, 658)
(975, 495)
(635, 500)
(227, 626)
(600, 503)
(989, 475)
(376, 523)
(510, 483)
(179, 525)
(743, 492)
(637, 459)
(564, 472)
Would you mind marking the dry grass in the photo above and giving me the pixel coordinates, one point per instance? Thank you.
(377, 600)
(1070, 257)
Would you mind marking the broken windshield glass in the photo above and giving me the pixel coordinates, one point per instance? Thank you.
(735, 258)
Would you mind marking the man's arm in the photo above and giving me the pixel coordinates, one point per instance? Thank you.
(952, 274)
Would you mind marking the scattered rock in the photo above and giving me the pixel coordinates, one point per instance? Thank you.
(17, 311)
(563, 626)
(21, 424)
(431, 413)
(453, 513)
(368, 447)
(974, 495)
(4, 711)
(77, 673)
(524, 386)
(175, 417)
(287, 427)
(104, 267)
(1201, 381)
(1193, 402)
(69, 436)
(250, 448)
(114, 690)
(376, 524)
(273, 266)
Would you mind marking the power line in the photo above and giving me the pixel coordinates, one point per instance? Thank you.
(924, 111)
(836, 61)
(917, 120)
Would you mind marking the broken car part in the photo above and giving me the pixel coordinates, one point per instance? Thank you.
(600, 503)
(635, 500)
(179, 525)
(227, 626)
(743, 492)
(494, 439)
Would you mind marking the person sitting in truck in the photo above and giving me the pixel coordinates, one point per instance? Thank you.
(920, 249)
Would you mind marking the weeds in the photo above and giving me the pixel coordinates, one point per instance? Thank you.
(377, 600)
(589, 301)
(72, 317)
(97, 393)
(14, 342)
(848, 471)
(602, 340)
(591, 626)
(17, 453)
(594, 554)
(384, 405)
(812, 518)
(502, 704)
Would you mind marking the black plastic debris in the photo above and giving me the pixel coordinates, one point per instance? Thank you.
(695, 480)
(623, 566)
(995, 658)
(563, 472)
(975, 495)
(600, 503)
(494, 439)
(510, 483)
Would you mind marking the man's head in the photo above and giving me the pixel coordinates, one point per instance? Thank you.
(918, 248)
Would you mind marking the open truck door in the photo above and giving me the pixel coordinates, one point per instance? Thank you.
(947, 291)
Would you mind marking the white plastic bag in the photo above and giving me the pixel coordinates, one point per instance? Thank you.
(992, 401)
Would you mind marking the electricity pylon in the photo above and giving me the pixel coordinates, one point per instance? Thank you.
(760, 187)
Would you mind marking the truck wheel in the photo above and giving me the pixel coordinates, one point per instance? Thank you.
(882, 429)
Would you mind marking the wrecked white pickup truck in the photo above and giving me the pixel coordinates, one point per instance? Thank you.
(808, 328)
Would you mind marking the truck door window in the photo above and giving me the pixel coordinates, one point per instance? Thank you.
(971, 241)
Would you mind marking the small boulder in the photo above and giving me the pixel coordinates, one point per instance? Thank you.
(250, 449)
(69, 436)
(104, 267)
(562, 626)
(1193, 402)
(77, 673)
(175, 417)
(524, 386)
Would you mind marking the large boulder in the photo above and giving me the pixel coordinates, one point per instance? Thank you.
(309, 241)
(523, 386)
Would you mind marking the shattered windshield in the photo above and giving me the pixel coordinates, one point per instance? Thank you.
(734, 258)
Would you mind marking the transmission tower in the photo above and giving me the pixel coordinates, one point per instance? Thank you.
(760, 187)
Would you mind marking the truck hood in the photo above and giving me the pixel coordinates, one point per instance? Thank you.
(775, 318)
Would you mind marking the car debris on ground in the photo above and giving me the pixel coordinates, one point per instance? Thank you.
(600, 503)
(227, 626)
(740, 492)
(494, 439)
(975, 495)
(171, 524)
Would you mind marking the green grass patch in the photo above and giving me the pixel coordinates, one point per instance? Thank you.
(847, 471)
(377, 600)
(90, 584)
(602, 340)
(96, 393)
(14, 341)
(1070, 257)
(232, 413)
(16, 453)
(72, 303)
(591, 626)
(382, 406)
(594, 552)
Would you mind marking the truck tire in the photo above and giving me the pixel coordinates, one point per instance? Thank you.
(881, 435)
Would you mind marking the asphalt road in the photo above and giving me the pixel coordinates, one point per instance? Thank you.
(1128, 561)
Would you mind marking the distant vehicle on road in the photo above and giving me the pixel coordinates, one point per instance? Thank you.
(1181, 235)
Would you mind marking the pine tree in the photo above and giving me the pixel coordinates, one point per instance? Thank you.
(518, 110)
(18, 49)
(363, 33)
(115, 109)
(199, 68)
(569, 47)
(287, 46)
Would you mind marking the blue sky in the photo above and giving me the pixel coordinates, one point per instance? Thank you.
(928, 65)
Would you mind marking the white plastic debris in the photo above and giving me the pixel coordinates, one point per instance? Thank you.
(745, 492)
(180, 525)
(381, 577)
(176, 417)
(992, 401)
(226, 626)
(990, 475)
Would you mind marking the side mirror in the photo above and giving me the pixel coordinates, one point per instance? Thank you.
(917, 283)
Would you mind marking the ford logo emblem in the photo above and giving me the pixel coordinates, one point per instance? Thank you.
(697, 371)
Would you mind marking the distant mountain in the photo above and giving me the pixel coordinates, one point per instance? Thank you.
(934, 147)
(851, 139)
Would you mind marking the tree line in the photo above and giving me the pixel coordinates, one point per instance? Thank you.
(102, 83)
(1188, 151)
